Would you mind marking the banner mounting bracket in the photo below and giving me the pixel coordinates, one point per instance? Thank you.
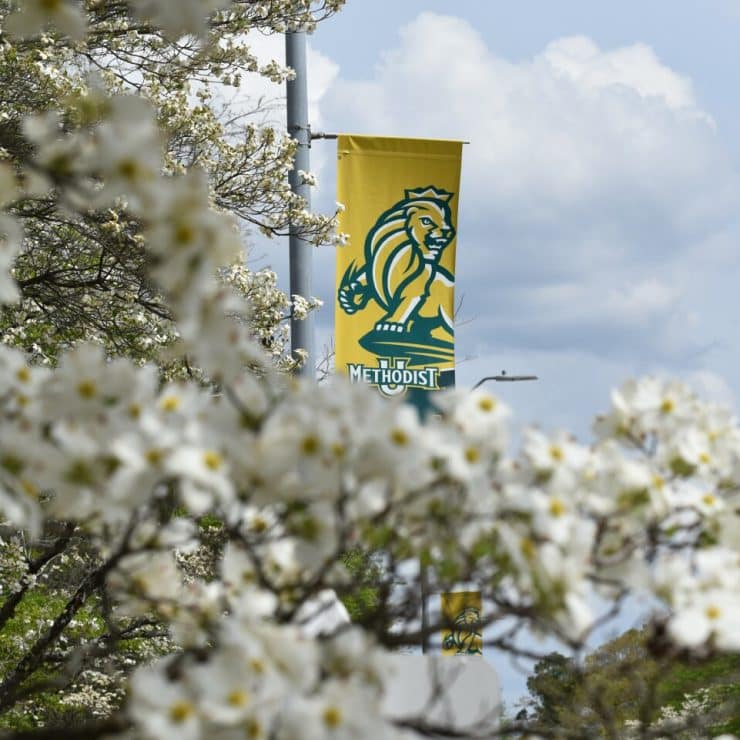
(327, 135)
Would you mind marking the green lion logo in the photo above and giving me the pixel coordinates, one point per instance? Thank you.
(465, 637)
(402, 254)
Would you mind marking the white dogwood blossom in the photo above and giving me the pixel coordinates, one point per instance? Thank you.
(34, 16)
(178, 19)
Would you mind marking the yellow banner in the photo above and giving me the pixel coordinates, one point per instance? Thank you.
(395, 277)
(462, 611)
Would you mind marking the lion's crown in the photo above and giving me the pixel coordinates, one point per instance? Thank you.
(428, 192)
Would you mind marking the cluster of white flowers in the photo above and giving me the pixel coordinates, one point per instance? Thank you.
(303, 306)
(66, 16)
(308, 178)
(680, 723)
(35, 16)
(265, 681)
(300, 475)
(178, 19)
(269, 308)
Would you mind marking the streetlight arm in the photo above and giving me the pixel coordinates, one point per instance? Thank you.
(504, 378)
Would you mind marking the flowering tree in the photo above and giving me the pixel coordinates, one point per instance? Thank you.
(97, 454)
(82, 273)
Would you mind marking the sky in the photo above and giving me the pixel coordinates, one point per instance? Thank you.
(599, 216)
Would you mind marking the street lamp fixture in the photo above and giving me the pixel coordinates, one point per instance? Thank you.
(504, 378)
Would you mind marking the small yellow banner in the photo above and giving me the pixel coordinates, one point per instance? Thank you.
(463, 612)
(395, 277)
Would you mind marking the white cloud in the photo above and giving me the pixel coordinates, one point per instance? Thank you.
(635, 67)
(564, 130)
(591, 177)
(646, 298)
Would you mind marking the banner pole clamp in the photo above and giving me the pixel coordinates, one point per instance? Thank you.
(326, 135)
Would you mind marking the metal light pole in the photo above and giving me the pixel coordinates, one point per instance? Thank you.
(301, 332)
(423, 574)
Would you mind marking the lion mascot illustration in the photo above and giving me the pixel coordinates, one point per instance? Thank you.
(402, 254)
(465, 637)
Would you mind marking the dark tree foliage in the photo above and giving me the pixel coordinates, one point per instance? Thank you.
(628, 680)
